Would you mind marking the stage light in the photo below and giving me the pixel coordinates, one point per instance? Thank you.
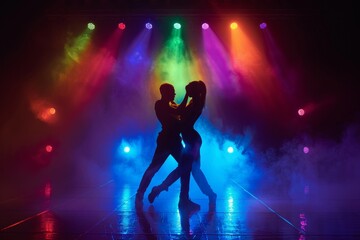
(126, 149)
(48, 148)
(301, 112)
(233, 25)
(52, 111)
(177, 25)
(148, 25)
(306, 150)
(230, 149)
(121, 26)
(91, 26)
(205, 26)
(262, 25)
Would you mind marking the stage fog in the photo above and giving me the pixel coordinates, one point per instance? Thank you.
(79, 104)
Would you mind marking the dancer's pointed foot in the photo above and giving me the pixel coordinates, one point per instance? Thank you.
(155, 191)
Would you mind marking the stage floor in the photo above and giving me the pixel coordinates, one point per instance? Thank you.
(55, 210)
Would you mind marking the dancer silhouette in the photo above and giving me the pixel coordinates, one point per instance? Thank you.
(191, 154)
(168, 142)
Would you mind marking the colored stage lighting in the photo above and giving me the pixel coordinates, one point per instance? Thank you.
(91, 26)
(301, 112)
(230, 149)
(177, 25)
(52, 111)
(48, 148)
(47, 190)
(126, 149)
(121, 26)
(205, 26)
(306, 150)
(148, 25)
(263, 25)
(233, 25)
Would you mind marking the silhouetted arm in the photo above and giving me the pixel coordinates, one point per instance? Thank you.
(182, 105)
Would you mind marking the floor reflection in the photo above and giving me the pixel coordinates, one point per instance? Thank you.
(108, 211)
(48, 225)
(187, 226)
(145, 225)
(207, 221)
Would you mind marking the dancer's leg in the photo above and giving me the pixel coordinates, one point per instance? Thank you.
(202, 182)
(176, 152)
(184, 202)
(158, 160)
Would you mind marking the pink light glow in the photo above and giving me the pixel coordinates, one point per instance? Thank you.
(121, 26)
(48, 148)
(306, 150)
(47, 190)
(205, 26)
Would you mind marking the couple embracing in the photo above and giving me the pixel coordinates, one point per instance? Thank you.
(177, 123)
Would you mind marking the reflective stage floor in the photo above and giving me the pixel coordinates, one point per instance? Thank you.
(58, 209)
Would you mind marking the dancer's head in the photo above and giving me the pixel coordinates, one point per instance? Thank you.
(202, 88)
(167, 91)
(197, 90)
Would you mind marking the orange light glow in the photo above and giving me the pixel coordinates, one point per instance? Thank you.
(52, 111)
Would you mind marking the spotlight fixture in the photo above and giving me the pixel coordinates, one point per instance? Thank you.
(301, 112)
(262, 25)
(48, 148)
(91, 26)
(148, 25)
(230, 149)
(177, 25)
(52, 111)
(233, 25)
(306, 150)
(126, 149)
(121, 26)
(205, 26)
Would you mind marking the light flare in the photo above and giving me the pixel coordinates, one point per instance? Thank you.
(175, 64)
(257, 75)
(217, 64)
